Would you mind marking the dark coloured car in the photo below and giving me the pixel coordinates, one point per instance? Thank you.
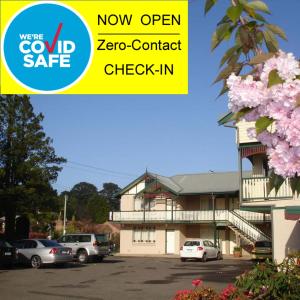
(262, 250)
(8, 254)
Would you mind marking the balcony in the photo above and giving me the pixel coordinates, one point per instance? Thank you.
(255, 189)
(181, 216)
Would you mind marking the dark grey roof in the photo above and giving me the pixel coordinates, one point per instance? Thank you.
(202, 183)
(208, 182)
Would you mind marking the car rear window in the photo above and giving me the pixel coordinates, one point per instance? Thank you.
(5, 244)
(101, 237)
(192, 243)
(49, 243)
(265, 244)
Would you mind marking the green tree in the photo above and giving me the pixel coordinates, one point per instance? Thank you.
(98, 209)
(28, 162)
(79, 197)
(110, 193)
(244, 24)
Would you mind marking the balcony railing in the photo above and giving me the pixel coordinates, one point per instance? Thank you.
(256, 189)
(183, 216)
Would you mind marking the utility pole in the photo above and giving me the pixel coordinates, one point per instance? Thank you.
(65, 212)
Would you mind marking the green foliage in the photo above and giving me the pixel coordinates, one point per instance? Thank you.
(28, 163)
(110, 193)
(274, 78)
(251, 33)
(266, 281)
(277, 30)
(86, 203)
(79, 197)
(295, 184)
(258, 5)
(234, 12)
(236, 248)
(275, 181)
(262, 124)
(209, 4)
(98, 209)
(270, 281)
(260, 58)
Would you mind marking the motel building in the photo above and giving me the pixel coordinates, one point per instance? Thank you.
(158, 213)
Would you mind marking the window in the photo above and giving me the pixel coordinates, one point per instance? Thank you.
(143, 235)
(49, 243)
(4, 244)
(84, 238)
(206, 243)
(28, 244)
(149, 204)
(210, 244)
(101, 237)
(192, 243)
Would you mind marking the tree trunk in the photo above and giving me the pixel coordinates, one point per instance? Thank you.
(10, 219)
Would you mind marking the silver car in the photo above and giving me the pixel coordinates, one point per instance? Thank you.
(38, 252)
(86, 245)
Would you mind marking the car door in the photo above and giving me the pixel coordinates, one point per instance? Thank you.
(214, 250)
(29, 249)
(208, 249)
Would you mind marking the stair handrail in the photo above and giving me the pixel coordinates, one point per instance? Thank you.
(250, 224)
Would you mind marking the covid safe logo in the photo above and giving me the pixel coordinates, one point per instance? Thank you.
(47, 47)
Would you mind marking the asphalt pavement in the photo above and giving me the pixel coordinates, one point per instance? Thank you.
(117, 278)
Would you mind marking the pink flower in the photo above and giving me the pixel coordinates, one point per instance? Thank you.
(280, 103)
(196, 282)
(227, 292)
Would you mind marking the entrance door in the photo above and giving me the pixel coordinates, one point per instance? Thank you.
(170, 236)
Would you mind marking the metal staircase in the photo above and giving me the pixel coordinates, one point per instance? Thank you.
(245, 229)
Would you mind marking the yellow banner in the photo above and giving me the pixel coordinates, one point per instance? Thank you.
(94, 47)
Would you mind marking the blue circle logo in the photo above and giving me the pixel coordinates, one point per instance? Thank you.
(47, 47)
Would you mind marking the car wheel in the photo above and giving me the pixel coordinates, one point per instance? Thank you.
(204, 257)
(219, 256)
(182, 259)
(100, 258)
(82, 256)
(36, 262)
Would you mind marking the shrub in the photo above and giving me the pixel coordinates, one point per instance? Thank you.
(266, 281)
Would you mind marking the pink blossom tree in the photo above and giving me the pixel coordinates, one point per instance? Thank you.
(263, 85)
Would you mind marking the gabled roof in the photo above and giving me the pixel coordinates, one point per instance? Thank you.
(225, 118)
(167, 182)
(193, 184)
(207, 183)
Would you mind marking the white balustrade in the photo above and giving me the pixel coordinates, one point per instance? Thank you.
(256, 188)
(247, 228)
(253, 216)
(183, 215)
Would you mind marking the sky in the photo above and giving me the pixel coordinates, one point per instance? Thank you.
(115, 138)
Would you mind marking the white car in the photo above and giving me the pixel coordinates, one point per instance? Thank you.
(199, 249)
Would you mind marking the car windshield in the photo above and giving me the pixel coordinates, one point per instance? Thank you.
(192, 243)
(265, 244)
(49, 243)
(5, 244)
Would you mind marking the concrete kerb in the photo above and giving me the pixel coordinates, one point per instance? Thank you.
(175, 256)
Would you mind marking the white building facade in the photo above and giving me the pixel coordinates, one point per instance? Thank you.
(158, 214)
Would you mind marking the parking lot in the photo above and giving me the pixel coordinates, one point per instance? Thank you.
(117, 278)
